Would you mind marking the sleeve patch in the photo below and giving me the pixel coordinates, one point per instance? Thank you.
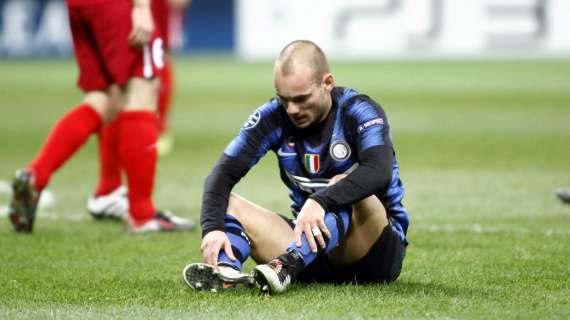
(252, 121)
(370, 123)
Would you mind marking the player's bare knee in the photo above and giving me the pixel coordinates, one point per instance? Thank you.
(370, 207)
(235, 206)
(141, 94)
(100, 102)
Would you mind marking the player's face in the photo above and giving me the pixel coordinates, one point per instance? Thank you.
(306, 100)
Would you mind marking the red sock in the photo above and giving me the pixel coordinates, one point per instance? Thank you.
(164, 96)
(66, 136)
(138, 136)
(109, 162)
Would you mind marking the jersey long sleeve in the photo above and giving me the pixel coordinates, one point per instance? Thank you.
(217, 188)
(259, 134)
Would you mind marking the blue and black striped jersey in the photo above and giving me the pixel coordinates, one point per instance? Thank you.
(308, 158)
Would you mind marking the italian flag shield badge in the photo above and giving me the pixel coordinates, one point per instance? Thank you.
(312, 162)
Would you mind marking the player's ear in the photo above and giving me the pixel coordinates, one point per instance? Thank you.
(328, 81)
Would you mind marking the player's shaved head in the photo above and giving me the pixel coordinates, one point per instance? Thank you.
(302, 54)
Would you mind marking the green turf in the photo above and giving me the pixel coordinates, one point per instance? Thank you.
(482, 146)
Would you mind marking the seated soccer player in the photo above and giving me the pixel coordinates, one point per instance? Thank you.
(336, 158)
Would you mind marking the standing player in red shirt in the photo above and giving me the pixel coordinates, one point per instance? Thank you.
(109, 199)
(119, 56)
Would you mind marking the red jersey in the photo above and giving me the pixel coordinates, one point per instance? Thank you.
(161, 14)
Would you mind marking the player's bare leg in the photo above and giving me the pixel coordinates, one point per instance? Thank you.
(268, 233)
(138, 155)
(367, 222)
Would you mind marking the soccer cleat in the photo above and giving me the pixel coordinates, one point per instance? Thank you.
(563, 194)
(201, 276)
(273, 277)
(24, 202)
(162, 221)
(114, 205)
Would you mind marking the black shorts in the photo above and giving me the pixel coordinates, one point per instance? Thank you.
(382, 263)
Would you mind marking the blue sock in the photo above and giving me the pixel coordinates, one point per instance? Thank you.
(337, 223)
(241, 246)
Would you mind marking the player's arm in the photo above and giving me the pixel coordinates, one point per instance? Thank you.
(217, 188)
(143, 25)
(252, 143)
(376, 157)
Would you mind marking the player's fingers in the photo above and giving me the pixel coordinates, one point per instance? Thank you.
(321, 240)
(298, 233)
(146, 35)
(206, 254)
(136, 38)
(316, 231)
(228, 250)
(211, 253)
(131, 37)
(213, 258)
(324, 229)
(133, 41)
(310, 238)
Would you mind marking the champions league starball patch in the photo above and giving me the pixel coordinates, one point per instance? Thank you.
(312, 162)
(252, 121)
(340, 150)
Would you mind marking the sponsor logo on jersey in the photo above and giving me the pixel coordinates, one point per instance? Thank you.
(340, 150)
(312, 162)
(252, 121)
(370, 123)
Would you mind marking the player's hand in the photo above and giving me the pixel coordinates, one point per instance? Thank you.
(212, 243)
(143, 25)
(311, 222)
(179, 4)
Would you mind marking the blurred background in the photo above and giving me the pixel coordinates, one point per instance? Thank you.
(356, 29)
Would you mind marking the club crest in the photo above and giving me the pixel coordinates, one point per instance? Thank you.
(312, 162)
(340, 150)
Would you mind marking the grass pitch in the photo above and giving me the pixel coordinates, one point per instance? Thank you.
(482, 146)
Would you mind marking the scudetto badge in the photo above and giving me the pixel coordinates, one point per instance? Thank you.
(340, 150)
